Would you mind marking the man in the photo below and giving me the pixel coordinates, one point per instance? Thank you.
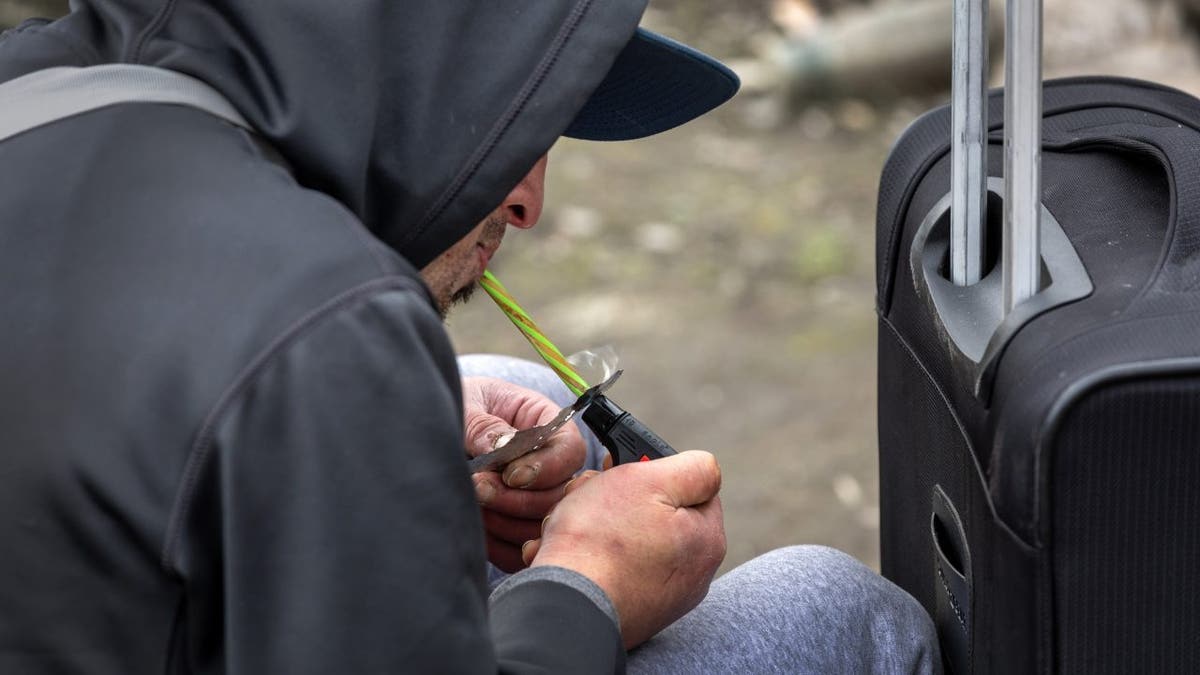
(231, 423)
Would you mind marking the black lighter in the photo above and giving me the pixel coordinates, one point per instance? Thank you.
(627, 439)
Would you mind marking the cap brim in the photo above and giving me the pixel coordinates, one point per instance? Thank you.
(655, 84)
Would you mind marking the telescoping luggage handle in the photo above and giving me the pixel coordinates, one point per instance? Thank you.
(1020, 255)
(980, 300)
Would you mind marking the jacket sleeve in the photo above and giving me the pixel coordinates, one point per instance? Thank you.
(326, 522)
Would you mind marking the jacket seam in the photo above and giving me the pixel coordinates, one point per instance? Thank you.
(202, 445)
(164, 13)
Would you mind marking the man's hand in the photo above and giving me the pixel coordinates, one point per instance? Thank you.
(651, 534)
(515, 502)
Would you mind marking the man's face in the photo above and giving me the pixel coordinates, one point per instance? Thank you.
(453, 275)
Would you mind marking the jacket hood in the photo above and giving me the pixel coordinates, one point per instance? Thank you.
(419, 116)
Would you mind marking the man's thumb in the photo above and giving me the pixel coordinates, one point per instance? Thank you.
(689, 478)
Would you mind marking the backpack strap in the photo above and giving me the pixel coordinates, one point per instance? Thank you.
(45, 96)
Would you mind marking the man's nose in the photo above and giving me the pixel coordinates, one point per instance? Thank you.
(523, 206)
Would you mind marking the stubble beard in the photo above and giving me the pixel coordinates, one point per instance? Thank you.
(460, 297)
(493, 230)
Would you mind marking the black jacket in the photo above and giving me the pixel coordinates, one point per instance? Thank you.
(230, 419)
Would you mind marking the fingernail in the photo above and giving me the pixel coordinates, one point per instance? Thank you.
(521, 476)
(503, 440)
(544, 523)
(484, 491)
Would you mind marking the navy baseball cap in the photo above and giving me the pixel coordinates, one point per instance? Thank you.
(655, 84)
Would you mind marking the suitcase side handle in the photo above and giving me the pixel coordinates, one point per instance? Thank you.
(954, 614)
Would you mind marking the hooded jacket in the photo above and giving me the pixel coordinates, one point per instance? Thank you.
(230, 418)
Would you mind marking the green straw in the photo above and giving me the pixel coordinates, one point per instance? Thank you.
(544, 347)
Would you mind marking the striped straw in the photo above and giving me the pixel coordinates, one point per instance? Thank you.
(544, 347)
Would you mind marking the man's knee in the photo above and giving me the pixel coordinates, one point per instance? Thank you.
(852, 599)
(521, 372)
(844, 579)
(808, 609)
(505, 367)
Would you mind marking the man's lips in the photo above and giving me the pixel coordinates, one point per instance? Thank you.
(487, 250)
(485, 255)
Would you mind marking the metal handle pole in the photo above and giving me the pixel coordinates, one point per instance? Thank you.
(968, 153)
(1022, 151)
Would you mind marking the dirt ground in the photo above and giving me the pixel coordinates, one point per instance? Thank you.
(730, 263)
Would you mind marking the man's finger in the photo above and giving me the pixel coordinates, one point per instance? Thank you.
(495, 495)
(530, 550)
(550, 465)
(512, 530)
(577, 481)
(483, 433)
(504, 555)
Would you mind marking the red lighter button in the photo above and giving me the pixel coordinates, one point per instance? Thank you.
(644, 459)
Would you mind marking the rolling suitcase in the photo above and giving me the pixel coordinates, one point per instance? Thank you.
(1039, 366)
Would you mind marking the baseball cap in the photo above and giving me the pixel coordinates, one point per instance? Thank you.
(655, 84)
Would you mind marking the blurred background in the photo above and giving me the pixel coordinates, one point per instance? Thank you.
(730, 262)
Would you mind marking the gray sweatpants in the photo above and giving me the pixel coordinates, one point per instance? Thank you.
(800, 609)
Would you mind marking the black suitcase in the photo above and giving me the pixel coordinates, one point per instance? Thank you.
(1040, 463)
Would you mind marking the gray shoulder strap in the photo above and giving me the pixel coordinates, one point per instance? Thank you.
(45, 96)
